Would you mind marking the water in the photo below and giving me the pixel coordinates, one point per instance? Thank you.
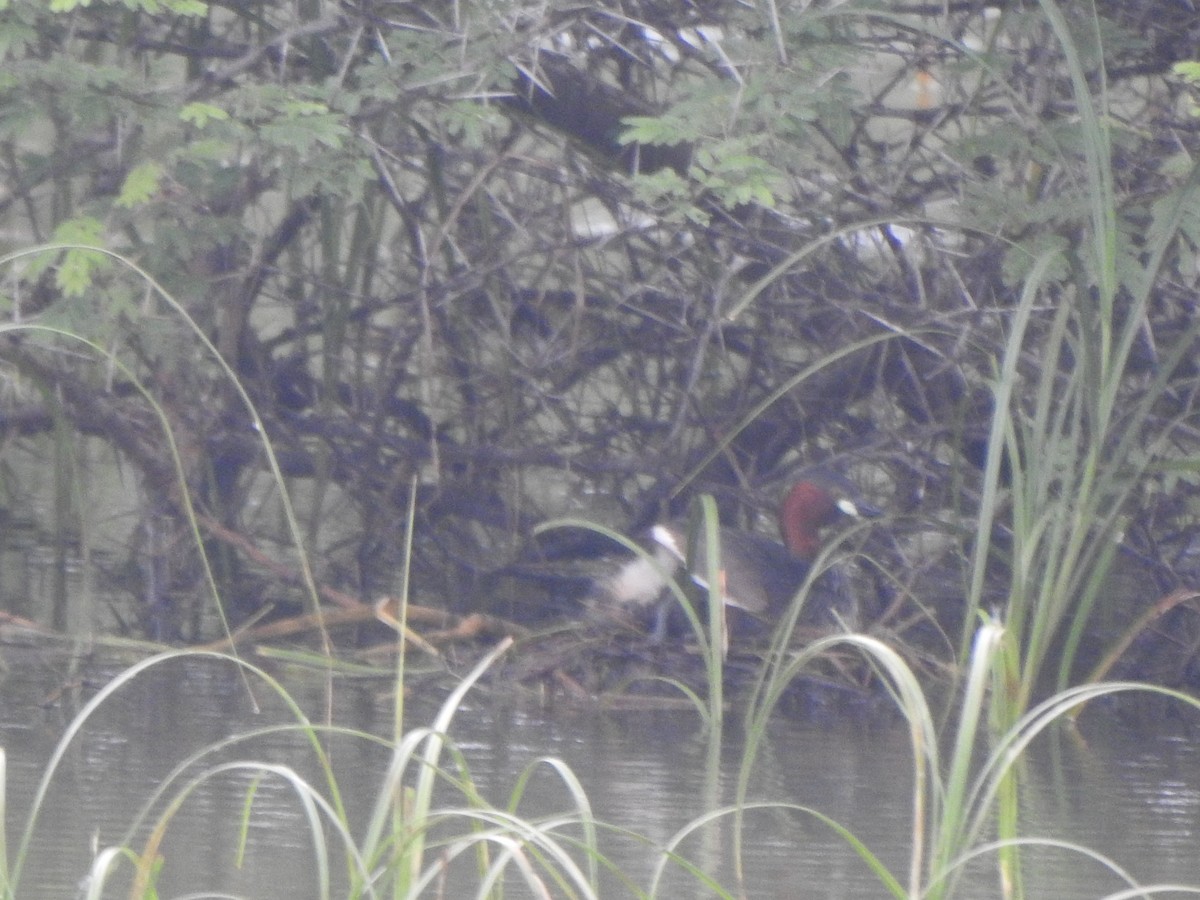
(1125, 789)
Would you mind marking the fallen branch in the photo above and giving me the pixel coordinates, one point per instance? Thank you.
(351, 610)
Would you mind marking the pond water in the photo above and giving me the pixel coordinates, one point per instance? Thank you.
(1122, 788)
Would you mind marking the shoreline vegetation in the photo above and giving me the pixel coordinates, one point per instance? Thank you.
(307, 305)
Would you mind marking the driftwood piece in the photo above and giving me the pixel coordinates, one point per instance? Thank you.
(351, 611)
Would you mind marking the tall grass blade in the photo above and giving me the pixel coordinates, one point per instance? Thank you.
(4, 882)
(293, 524)
(415, 805)
(103, 696)
(910, 699)
(954, 810)
(1002, 448)
(717, 644)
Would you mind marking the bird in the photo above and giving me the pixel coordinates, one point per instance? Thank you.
(760, 576)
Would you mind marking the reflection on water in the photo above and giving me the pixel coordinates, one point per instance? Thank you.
(1125, 792)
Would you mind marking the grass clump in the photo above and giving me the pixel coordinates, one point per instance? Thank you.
(426, 801)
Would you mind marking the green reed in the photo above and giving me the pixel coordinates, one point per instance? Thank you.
(963, 763)
(389, 859)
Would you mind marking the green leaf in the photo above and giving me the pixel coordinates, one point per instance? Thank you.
(14, 36)
(648, 130)
(478, 125)
(140, 184)
(1188, 71)
(302, 133)
(1021, 257)
(294, 108)
(79, 265)
(188, 7)
(182, 7)
(80, 230)
(200, 114)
